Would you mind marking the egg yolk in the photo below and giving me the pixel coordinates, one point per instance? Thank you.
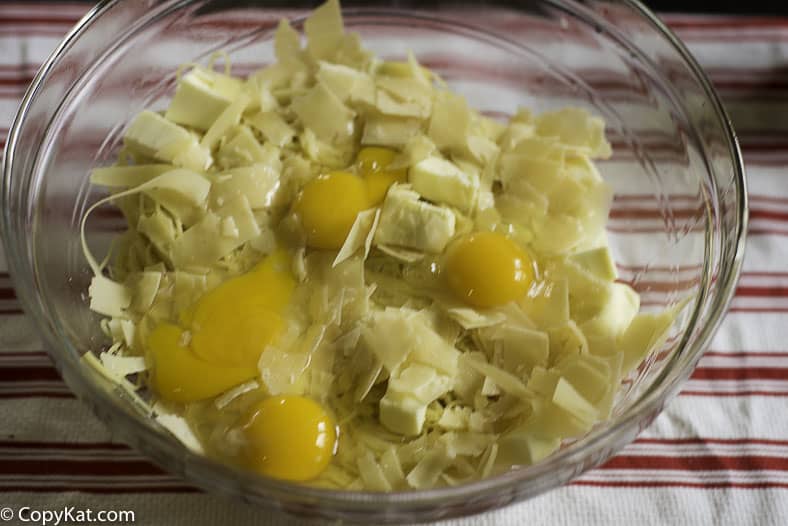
(486, 269)
(228, 329)
(290, 437)
(372, 163)
(328, 206)
(181, 376)
(233, 323)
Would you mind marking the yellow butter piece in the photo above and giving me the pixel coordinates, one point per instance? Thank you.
(418, 381)
(443, 182)
(645, 332)
(521, 348)
(153, 136)
(402, 415)
(409, 223)
(201, 96)
(599, 261)
(620, 308)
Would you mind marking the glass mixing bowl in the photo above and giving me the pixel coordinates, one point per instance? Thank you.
(677, 226)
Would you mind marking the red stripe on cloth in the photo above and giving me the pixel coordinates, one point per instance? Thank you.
(20, 81)
(89, 446)
(740, 373)
(7, 293)
(762, 292)
(747, 354)
(771, 215)
(704, 440)
(84, 467)
(758, 310)
(645, 213)
(678, 484)
(105, 489)
(762, 232)
(38, 19)
(79, 7)
(764, 273)
(17, 376)
(37, 444)
(730, 394)
(678, 22)
(697, 463)
(28, 374)
(37, 394)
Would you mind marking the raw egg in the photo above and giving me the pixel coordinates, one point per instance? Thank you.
(290, 437)
(233, 323)
(372, 163)
(486, 269)
(227, 330)
(328, 206)
(179, 375)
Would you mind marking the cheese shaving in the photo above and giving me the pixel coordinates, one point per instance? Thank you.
(360, 235)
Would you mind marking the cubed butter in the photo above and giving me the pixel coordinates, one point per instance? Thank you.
(441, 181)
(404, 415)
(407, 222)
(201, 96)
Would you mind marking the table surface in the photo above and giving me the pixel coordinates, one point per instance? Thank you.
(718, 454)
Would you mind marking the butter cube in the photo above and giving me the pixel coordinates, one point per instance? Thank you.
(402, 415)
(441, 181)
(617, 313)
(420, 382)
(407, 222)
(152, 135)
(201, 96)
(597, 261)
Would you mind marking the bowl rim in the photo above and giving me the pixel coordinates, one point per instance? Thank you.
(195, 467)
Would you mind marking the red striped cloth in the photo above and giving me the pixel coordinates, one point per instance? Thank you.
(717, 455)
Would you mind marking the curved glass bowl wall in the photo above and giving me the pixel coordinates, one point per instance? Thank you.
(676, 228)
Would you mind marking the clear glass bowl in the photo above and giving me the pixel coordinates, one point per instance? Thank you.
(677, 226)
